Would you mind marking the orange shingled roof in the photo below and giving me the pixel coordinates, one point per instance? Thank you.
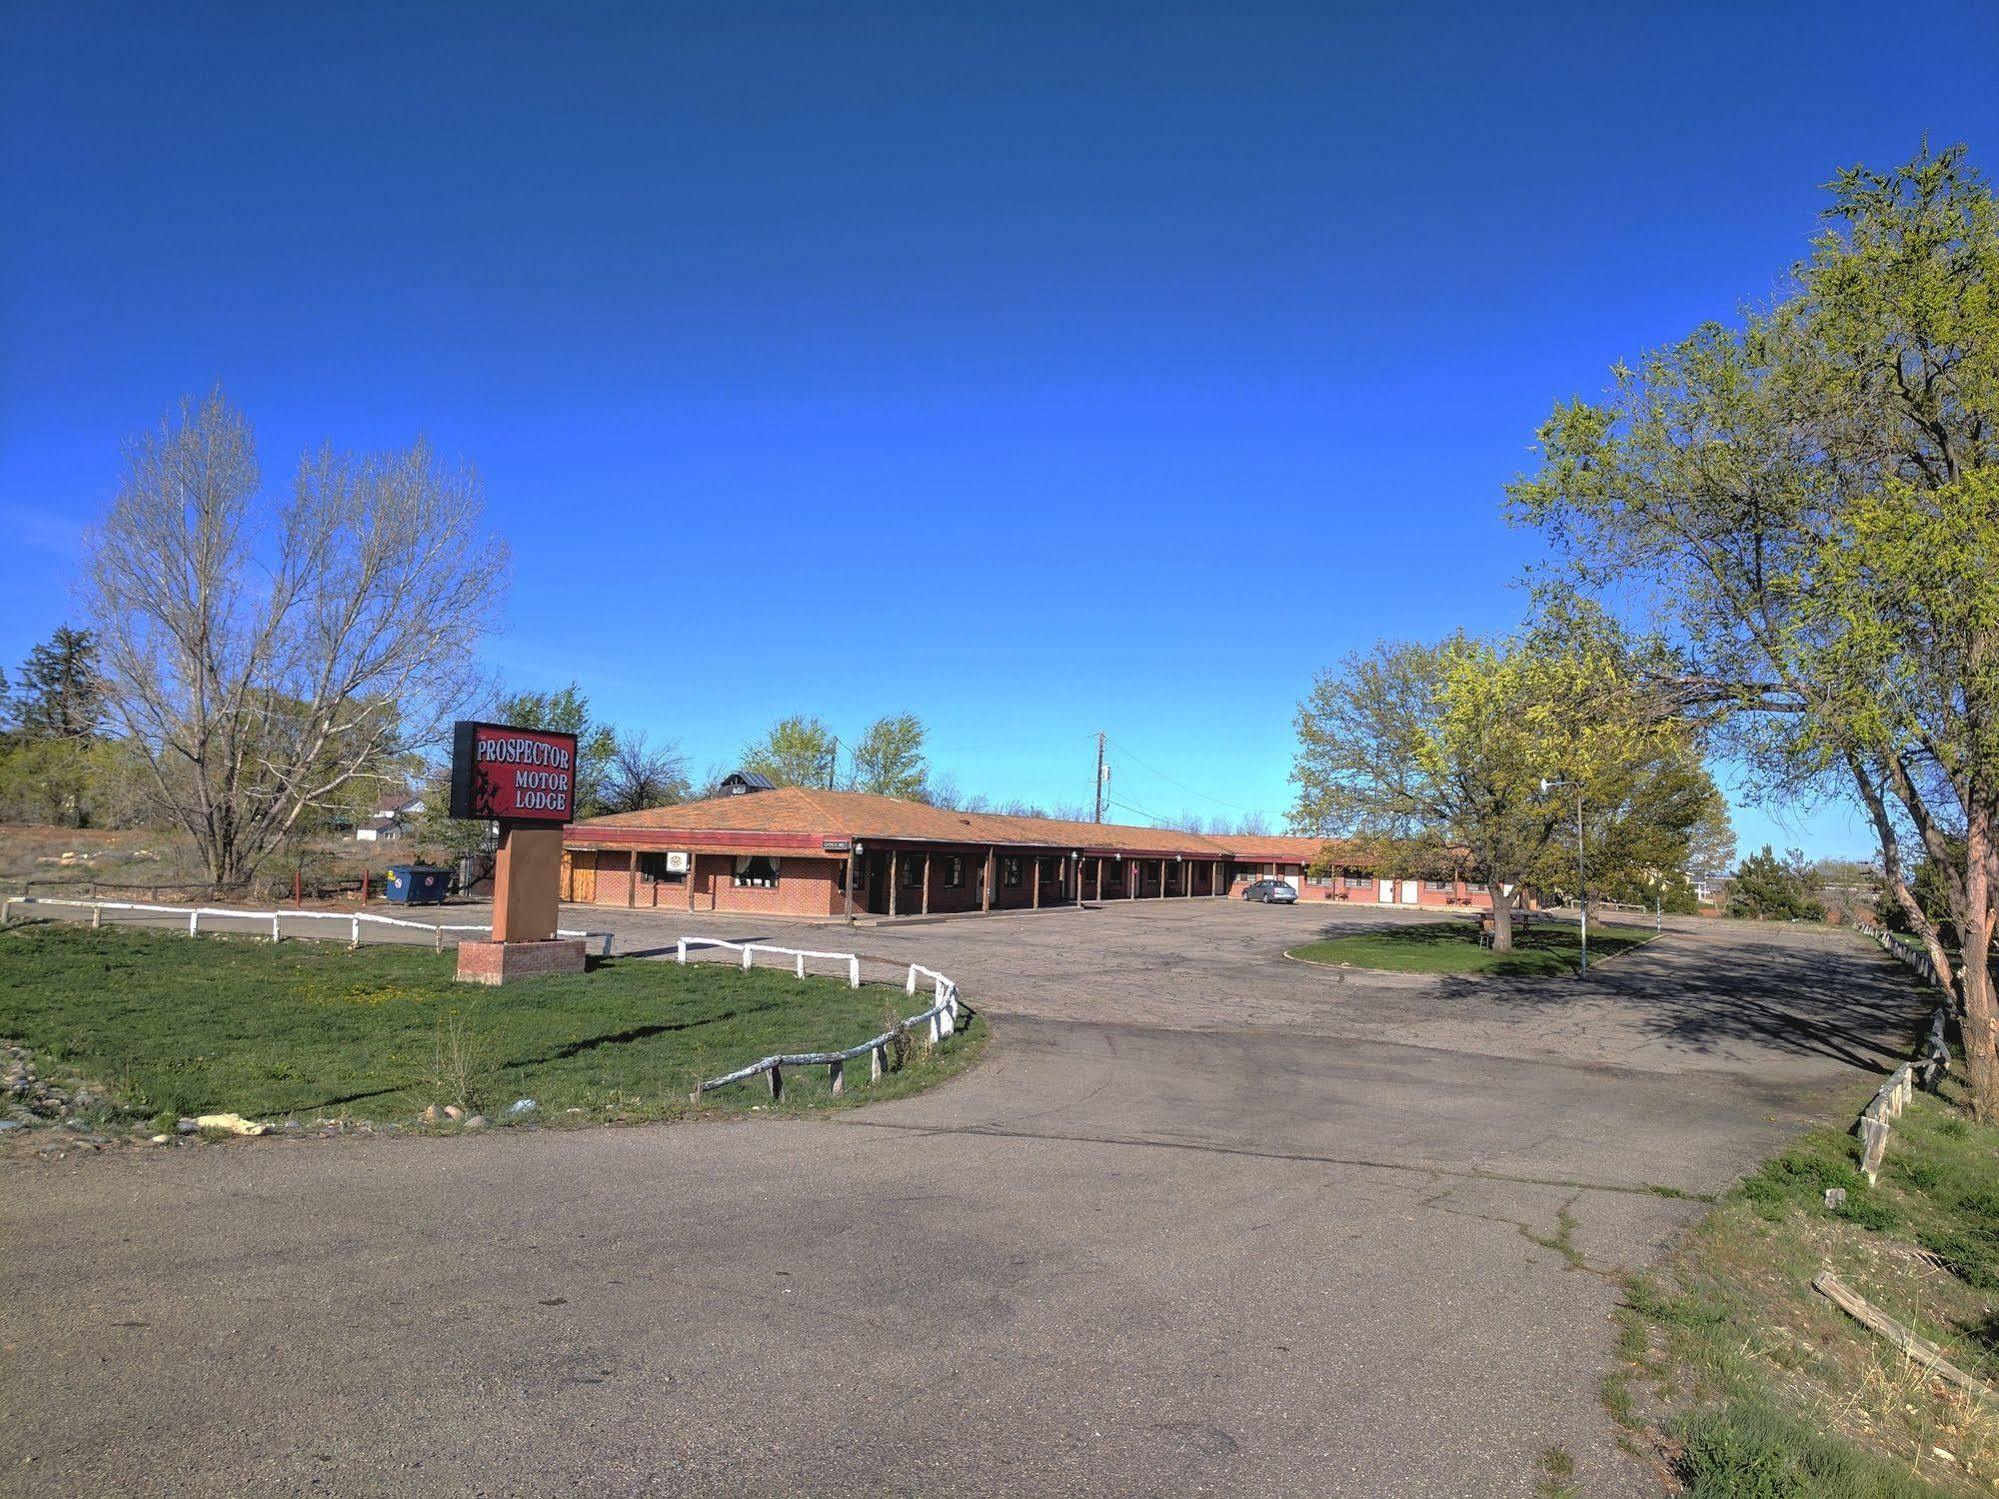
(856, 814)
(1265, 848)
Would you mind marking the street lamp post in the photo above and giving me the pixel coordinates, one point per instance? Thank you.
(1582, 873)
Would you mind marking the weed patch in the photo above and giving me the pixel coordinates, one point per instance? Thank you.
(1750, 1383)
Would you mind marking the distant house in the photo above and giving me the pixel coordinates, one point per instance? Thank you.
(391, 820)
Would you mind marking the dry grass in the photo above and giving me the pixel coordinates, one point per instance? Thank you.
(1734, 1365)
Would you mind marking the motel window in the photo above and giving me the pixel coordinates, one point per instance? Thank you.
(1114, 873)
(1360, 882)
(755, 872)
(1010, 873)
(1438, 887)
(912, 872)
(954, 872)
(1320, 879)
(653, 867)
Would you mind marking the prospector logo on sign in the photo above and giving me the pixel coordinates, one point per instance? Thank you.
(513, 775)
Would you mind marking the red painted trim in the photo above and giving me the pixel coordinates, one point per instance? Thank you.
(584, 837)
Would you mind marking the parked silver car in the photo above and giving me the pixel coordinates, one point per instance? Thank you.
(1272, 893)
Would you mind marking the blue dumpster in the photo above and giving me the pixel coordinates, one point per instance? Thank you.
(418, 884)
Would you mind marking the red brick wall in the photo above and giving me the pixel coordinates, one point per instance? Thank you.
(805, 886)
(1460, 896)
(944, 899)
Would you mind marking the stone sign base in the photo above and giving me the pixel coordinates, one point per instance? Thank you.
(503, 962)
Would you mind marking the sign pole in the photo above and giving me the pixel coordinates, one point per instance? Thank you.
(523, 780)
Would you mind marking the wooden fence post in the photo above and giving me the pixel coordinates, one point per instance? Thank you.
(836, 1076)
(776, 1076)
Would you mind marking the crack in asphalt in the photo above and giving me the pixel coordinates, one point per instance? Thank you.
(1365, 1163)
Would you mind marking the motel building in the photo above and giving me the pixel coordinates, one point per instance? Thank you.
(830, 855)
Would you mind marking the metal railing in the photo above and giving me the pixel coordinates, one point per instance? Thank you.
(944, 1018)
(357, 922)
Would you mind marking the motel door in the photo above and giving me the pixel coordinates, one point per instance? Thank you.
(1387, 889)
(1410, 896)
(582, 874)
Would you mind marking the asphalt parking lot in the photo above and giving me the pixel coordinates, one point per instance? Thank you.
(1205, 1221)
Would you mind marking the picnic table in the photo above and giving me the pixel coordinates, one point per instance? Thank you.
(1522, 919)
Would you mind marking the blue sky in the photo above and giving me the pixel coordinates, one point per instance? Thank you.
(1037, 369)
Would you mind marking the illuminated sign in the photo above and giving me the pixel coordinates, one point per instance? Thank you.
(512, 775)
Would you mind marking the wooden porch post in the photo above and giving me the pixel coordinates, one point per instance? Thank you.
(1034, 883)
(926, 882)
(894, 863)
(850, 882)
(693, 865)
(632, 878)
(986, 886)
(1131, 889)
(1186, 880)
(1100, 877)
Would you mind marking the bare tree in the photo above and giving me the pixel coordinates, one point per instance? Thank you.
(264, 656)
(640, 774)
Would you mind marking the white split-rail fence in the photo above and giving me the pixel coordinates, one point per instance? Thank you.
(357, 922)
(944, 1018)
(1909, 954)
(1925, 1071)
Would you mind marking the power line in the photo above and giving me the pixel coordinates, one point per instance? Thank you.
(1135, 811)
(1218, 801)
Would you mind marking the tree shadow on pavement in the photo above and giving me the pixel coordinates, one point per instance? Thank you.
(1817, 992)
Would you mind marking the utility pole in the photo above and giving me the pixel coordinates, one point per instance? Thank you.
(833, 763)
(1100, 775)
(1582, 879)
(1582, 873)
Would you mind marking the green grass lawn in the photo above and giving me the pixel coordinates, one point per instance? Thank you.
(1749, 1382)
(1452, 947)
(179, 1025)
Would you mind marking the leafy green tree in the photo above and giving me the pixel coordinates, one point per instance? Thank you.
(1437, 754)
(888, 757)
(1772, 889)
(794, 751)
(59, 691)
(1814, 496)
(1711, 845)
(567, 711)
(53, 764)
